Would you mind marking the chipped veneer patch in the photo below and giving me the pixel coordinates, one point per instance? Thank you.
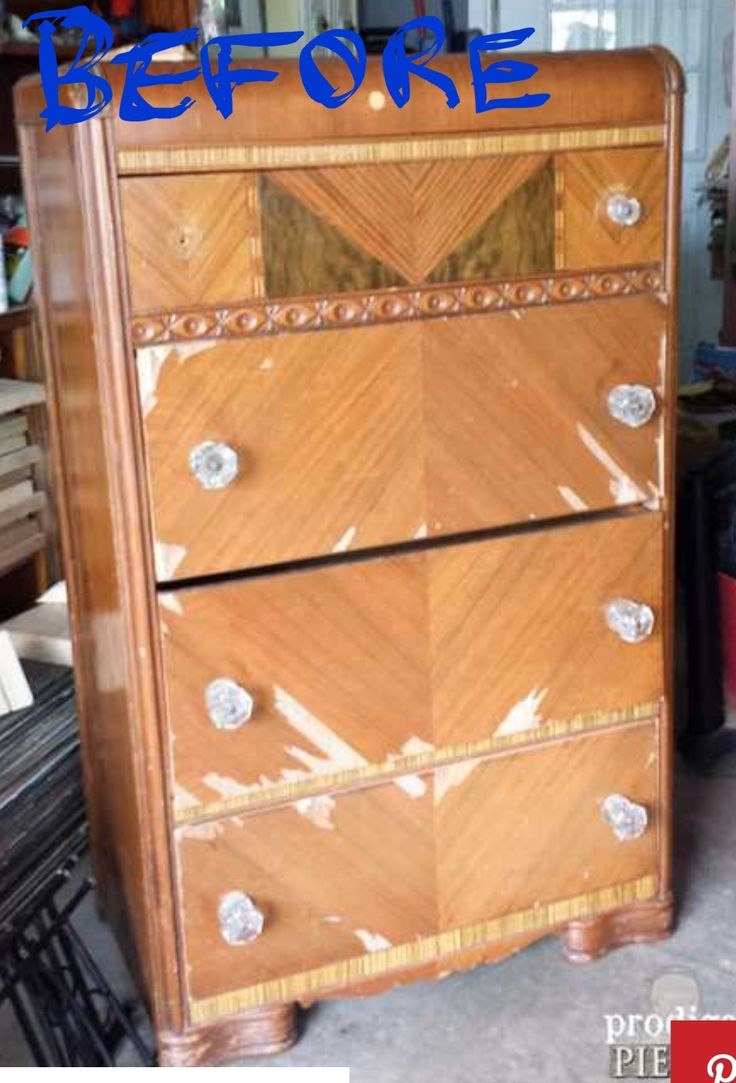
(623, 489)
(172, 602)
(524, 715)
(412, 785)
(183, 799)
(345, 542)
(207, 832)
(571, 498)
(372, 941)
(167, 559)
(422, 532)
(415, 746)
(150, 361)
(226, 787)
(318, 810)
(338, 754)
(449, 777)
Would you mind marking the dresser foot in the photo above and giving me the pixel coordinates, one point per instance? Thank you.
(259, 1032)
(584, 941)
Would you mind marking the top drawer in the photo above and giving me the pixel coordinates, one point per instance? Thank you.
(220, 238)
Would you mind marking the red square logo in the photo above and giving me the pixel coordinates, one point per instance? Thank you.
(703, 1052)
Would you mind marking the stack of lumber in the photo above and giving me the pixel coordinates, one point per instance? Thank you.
(21, 503)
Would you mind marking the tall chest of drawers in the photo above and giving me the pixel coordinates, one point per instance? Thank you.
(364, 420)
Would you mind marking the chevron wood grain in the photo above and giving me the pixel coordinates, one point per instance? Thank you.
(354, 439)
(410, 571)
(395, 873)
(302, 252)
(517, 239)
(432, 654)
(409, 216)
(549, 811)
(191, 239)
(589, 237)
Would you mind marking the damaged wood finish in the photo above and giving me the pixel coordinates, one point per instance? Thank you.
(414, 659)
(386, 435)
(429, 517)
(413, 877)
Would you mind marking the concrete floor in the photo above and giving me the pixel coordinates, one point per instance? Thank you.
(535, 1016)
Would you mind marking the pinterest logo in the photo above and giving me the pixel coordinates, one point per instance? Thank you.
(697, 1055)
(722, 1068)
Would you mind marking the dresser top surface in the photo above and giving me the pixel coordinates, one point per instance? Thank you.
(587, 89)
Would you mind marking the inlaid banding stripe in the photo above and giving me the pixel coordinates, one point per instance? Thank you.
(263, 317)
(426, 950)
(259, 797)
(143, 160)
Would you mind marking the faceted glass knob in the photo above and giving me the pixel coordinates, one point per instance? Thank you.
(215, 466)
(626, 819)
(228, 705)
(630, 621)
(624, 210)
(632, 404)
(239, 918)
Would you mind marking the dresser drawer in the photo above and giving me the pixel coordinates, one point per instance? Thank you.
(352, 885)
(322, 442)
(613, 207)
(222, 239)
(225, 238)
(337, 673)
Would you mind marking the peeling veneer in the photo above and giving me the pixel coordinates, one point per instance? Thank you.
(318, 810)
(150, 362)
(450, 777)
(571, 498)
(372, 941)
(524, 715)
(623, 488)
(167, 559)
(345, 542)
(171, 602)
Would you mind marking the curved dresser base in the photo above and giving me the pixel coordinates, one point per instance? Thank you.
(585, 941)
(259, 1032)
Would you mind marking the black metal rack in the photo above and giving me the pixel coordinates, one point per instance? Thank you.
(65, 1008)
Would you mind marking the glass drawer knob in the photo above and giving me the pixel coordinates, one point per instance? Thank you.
(626, 819)
(632, 622)
(228, 705)
(215, 466)
(239, 918)
(624, 210)
(632, 404)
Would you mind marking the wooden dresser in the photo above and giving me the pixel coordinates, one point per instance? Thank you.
(365, 428)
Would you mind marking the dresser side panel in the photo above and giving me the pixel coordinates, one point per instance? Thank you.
(82, 319)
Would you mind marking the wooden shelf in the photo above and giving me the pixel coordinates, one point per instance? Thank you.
(20, 394)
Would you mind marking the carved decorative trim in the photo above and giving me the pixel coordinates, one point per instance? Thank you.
(141, 160)
(263, 796)
(261, 317)
(342, 974)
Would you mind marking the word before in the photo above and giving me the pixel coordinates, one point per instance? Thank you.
(220, 78)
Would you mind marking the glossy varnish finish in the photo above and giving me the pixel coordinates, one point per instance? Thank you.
(375, 666)
(437, 724)
(418, 860)
(355, 439)
(225, 238)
